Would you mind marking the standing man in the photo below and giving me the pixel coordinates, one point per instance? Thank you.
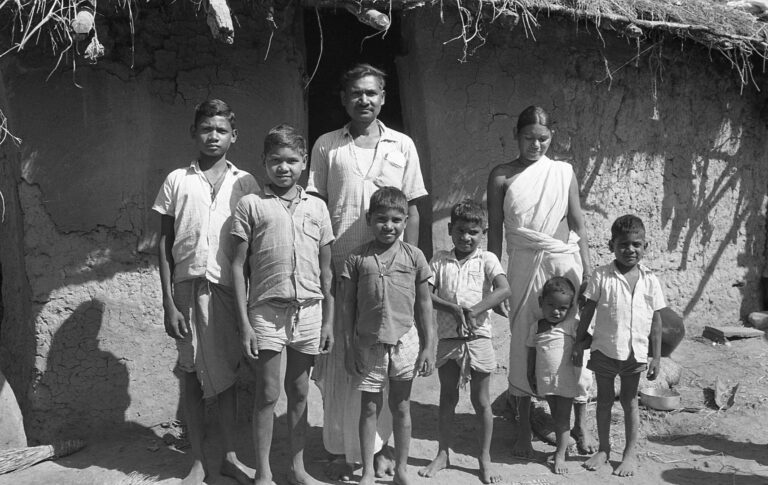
(346, 167)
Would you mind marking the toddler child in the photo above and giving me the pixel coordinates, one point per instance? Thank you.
(467, 282)
(196, 204)
(625, 298)
(550, 370)
(389, 333)
(284, 235)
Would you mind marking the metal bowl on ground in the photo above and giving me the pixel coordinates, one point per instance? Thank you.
(661, 399)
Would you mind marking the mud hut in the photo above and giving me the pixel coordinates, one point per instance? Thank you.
(659, 106)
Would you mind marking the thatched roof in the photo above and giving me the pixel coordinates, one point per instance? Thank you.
(735, 32)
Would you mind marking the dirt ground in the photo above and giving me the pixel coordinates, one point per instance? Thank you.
(680, 447)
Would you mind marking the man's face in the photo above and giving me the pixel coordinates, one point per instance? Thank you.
(363, 99)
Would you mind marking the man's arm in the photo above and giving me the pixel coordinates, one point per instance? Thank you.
(175, 326)
(411, 233)
(326, 284)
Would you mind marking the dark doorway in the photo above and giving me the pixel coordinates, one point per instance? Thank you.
(344, 44)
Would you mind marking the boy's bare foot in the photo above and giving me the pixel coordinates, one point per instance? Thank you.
(236, 469)
(301, 477)
(339, 469)
(196, 474)
(369, 479)
(585, 443)
(522, 449)
(487, 473)
(401, 476)
(596, 461)
(627, 466)
(560, 467)
(383, 462)
(263, 481)
(440, 462)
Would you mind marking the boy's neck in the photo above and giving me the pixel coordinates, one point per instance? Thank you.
(287, 192)
(381, 247)
(206, 163)
(624, 269)
(364, 129)
(461, 256)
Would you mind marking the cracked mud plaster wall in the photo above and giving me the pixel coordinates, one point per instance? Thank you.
(671, 140)
(94, 156)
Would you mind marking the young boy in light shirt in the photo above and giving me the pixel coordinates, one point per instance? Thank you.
(625, 298)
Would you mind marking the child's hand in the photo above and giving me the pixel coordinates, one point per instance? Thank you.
(249, 343)
(353, 360)
(326, 338)
(577, 354)
(175, 325)
(502, 308)
(470, 321)
(425, 364)
(654, 368)
(458, 314)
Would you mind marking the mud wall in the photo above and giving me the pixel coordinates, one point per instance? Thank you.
(97, 143)
(667, 135)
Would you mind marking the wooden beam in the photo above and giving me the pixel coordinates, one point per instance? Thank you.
(220, 21)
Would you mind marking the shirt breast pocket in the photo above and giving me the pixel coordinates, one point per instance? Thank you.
(392, 171)
(311, 227)
(403, 279)
(475, 282)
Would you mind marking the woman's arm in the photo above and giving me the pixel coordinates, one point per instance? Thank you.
(577, 225)
(495, 193)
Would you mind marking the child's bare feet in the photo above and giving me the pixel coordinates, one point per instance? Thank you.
(301, 477)
(383, 462)
(627, 466)
(401, 476)
(596, 461)
(487, 473)
(196, 474)
(440, 462)
(234, 468)
(585, 443)
(560, 467)
(339, 469)
(367, 479)
(522, 448)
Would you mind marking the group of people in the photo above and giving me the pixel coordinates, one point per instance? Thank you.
(332, 275)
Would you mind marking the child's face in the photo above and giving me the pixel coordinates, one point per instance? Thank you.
(284, 166)
(387, 224)
(533, 142)
(628, 249)
(363, 99)
(213, 136)
(555, 306)
(466, 236)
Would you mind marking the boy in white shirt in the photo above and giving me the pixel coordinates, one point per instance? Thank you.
(625, 298)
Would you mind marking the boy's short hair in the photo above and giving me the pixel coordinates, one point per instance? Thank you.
(470, 211)
(359, 71)
(627, 224)
(285, 136)
(214, 107)
(558, 284)
(388, 198)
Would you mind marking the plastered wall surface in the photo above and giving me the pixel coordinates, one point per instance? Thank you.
(669, 138)
(98, 143)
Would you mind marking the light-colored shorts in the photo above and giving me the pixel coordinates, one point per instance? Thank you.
(394, 362)
(212, 347)
(297, 326)
(470, 354)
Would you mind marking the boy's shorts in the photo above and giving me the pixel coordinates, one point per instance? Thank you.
(396, 362)
(470, 354)
(297, 326)
(605, 366)
(212, 347)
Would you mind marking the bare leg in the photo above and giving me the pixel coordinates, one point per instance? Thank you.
(231, 466)
(267, 368)
(400, 404)
(585, 442)
(296, 389)
(449, 397)
(522, 447)
(628, 398)
(480, 395)
(195, 420)
(561, 412)
(370, 405)
(605, 398)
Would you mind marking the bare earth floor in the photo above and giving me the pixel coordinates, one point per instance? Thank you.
(697, 447)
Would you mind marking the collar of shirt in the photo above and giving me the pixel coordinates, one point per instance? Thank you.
(642, 270)
(477, 253)
(386, 133)
(302, 193)
(195, 167)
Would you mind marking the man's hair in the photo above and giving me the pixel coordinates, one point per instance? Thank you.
(627, 224)
(558, 284)
(214, 107)
(388, 198)
(285, 136)
(360, 71)
(470, 211)
(532, 115)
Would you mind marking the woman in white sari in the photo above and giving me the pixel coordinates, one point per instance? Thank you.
(536, 202)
